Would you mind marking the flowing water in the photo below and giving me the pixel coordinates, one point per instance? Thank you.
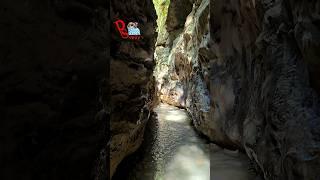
(173, 150)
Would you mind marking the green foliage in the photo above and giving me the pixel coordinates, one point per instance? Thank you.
(161, 7)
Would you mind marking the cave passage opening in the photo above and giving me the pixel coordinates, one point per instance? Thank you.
(181, 151)
(172, 147)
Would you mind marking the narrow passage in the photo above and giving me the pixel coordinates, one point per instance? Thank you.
(173, 150)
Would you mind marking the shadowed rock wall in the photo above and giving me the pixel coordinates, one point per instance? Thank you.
(53, 64)
(261, 83)
(132, 84)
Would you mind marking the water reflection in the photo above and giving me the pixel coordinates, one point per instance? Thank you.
(229, 165)
(185, 153)
(172, 150)
(169, 113)
(189, 163)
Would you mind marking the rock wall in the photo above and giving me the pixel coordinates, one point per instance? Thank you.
(248, 76)
(131, 83)
(264, 51)
(52, 86)
(176, 48)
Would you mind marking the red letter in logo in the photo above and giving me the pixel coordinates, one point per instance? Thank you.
(121, 26)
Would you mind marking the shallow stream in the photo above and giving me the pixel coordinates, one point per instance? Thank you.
(173, 150)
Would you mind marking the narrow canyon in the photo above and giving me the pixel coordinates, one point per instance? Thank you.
(209, 90)
(216, 89)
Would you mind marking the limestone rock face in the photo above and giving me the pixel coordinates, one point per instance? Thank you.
(264, 54)
(52, 88)
(175, 59)
(131, 80)
(247, 72)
